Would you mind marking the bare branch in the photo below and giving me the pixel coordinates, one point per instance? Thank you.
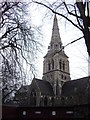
(74, 41)
(82, 18)
(59, 14)
(75, 15)
(17, 44)
(70, 43)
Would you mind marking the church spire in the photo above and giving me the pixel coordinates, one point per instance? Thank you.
(56, 43)
(55, 32)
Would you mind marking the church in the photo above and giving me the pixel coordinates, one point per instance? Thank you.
(56, 87)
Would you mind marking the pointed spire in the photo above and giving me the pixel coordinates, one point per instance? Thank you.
(55, 32)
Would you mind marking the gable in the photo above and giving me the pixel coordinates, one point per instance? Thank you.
(42, 87)
(45, 87)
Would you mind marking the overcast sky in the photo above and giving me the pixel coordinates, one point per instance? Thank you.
(76, 52)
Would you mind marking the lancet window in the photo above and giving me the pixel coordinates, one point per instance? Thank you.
(52, 64)
(33, 98)
(63, 65)
(49, 65)
(60, 64)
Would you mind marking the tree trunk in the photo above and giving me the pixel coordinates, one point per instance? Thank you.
(81, 6)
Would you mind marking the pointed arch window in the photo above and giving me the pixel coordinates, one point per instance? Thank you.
(51, 46)
(60, 64)
(49, 65)
(65, 77)
(57, 88)
(63, 65)
(33, 98)
(33, 93)
(52, 64)
(62, 76)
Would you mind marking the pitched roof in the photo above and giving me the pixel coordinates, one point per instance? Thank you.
(44, 87)
(23, 89)
(79, 86)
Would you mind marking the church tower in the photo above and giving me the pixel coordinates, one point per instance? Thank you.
(56, 64)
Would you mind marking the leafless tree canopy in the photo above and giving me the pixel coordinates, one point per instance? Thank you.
(77, 13)
(17, 44)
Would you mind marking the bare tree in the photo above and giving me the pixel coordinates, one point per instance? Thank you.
(11, 79)
(77, 13)
(17, 43)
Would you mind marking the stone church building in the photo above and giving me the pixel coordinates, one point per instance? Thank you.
(56, 87)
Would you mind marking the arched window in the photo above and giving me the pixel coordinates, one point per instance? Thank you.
(65, 77)
(52, 64)
(33, 93)
(63, 65)
(33, 98)
(60, 64)
(49, 66)
(62, 76)
(51, 46)
(57, 88)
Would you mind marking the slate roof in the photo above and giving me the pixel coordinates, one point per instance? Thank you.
(78, 85)
(44, 87)
(23, 89)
